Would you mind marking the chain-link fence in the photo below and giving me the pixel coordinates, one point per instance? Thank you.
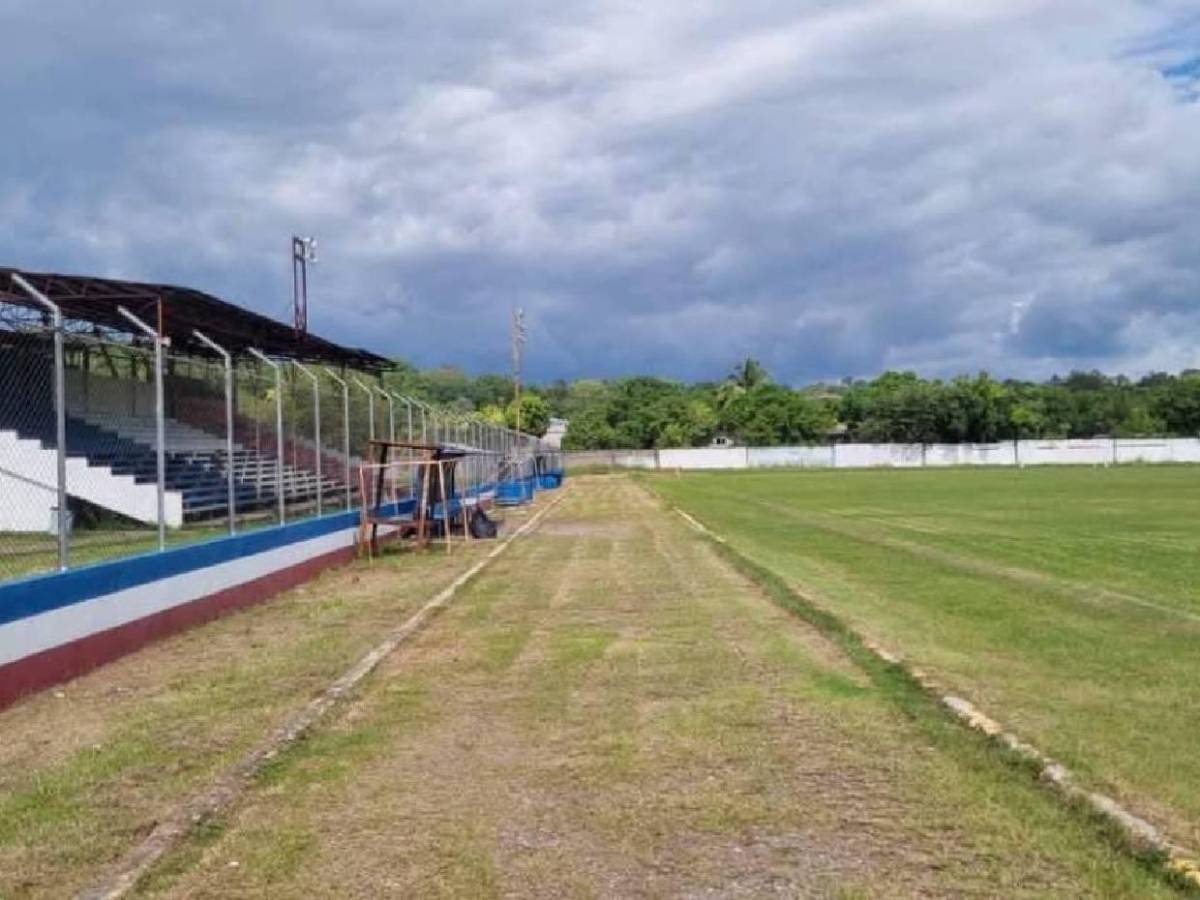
(112, 459)
(257, 434)
(28, 439)
(304, 482)
(159, 447)
(337, 463)
(199, 464)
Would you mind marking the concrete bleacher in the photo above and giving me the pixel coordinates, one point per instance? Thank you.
(196, 465)
(111, 437)
(121, 449)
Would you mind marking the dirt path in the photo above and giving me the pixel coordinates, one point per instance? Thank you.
(612, 711)
(86, 770)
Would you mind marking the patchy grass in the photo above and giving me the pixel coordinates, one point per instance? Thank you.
(87, 769)
(613, 710)
(1062, 601)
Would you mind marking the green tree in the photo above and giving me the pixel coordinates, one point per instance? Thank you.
(749, 374)
(590, 430)
(494, 414)
(771, 414)
(535, 414)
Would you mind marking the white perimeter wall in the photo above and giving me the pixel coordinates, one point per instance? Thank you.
(703, 458)
(796, 457)
(1093, 452)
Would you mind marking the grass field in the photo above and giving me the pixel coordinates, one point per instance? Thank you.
(611, 709)
(1063, 601)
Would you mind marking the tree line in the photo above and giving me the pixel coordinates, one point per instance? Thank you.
(748, 407)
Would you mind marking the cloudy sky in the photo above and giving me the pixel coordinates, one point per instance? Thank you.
(834, 186)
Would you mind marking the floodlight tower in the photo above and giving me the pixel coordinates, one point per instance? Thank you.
(518, 345)
(304, 251)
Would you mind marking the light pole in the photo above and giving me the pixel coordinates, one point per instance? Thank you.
(304, 251)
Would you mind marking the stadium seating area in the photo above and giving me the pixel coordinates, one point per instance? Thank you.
(195, 460)
(196, 466)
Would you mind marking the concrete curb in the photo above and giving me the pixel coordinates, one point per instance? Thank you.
(1141, 836)
(232, 783)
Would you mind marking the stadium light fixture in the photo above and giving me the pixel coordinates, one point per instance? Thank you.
(304, 251)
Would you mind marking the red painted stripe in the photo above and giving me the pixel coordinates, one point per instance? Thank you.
(33, 673)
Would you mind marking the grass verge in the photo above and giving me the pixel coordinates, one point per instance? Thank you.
(919, 703)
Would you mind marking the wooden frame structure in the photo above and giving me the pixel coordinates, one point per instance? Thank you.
(379, 461)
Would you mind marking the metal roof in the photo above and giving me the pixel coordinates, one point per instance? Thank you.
(92, 300)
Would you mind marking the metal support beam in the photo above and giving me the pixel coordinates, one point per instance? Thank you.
(228, 359)
(159, 420)
(274, 364)
(345, 430)
(391, 413)
(370, 407)
(316, 386)
(408, 416)
(60, 416)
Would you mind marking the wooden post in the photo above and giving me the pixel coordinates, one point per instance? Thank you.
(445, 503)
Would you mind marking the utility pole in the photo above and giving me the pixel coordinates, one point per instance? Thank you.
(304, 251)
(518, 345)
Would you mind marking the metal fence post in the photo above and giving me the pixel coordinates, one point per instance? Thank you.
(225, 355)
(316, 427)
(391, 413)
(262, 357)
(60, 417)
(408, 417)
(159, 421)
(370, 408)
(345, 429)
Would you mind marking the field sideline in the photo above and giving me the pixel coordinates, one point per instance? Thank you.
(1062, 601)
(611, 709)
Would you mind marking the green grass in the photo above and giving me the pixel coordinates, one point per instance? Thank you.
(86, 770)
(614, 710)
(1062, 601)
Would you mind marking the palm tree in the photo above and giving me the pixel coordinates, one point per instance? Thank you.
(749, 373)
(746, 375)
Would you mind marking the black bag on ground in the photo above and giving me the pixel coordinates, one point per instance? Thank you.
(481, 525)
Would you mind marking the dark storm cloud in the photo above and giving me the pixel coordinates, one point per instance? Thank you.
(834, 188)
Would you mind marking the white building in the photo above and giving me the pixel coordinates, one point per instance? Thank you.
(554, 433)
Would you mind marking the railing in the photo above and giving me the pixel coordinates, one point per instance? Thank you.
(112, 444)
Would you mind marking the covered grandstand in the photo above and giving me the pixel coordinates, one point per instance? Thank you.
(179, 416)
